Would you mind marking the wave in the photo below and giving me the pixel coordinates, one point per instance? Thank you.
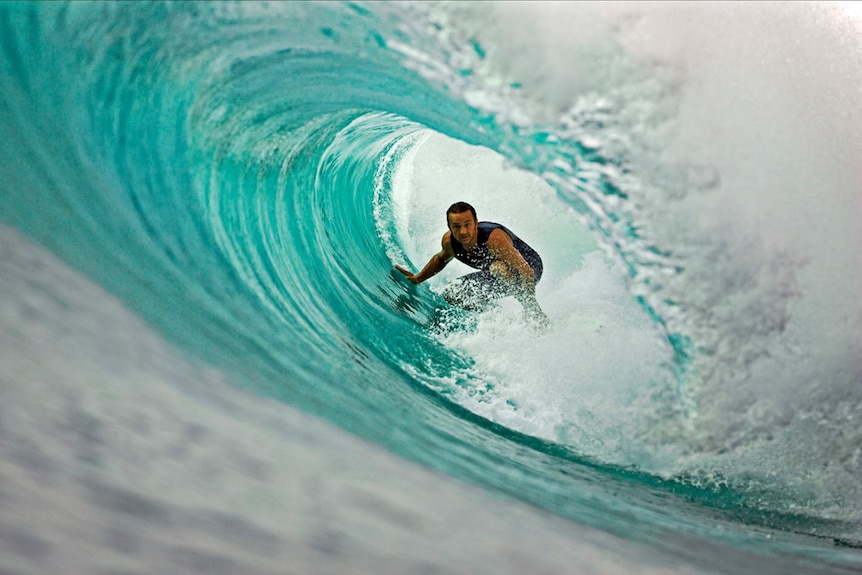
(244, 176)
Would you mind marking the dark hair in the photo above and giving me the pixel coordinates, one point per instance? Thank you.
(460, 208)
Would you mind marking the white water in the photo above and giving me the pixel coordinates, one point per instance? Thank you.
(739, 126)
(585, 382)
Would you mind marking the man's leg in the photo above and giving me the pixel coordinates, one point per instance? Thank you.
(475, 291)
(532, 312)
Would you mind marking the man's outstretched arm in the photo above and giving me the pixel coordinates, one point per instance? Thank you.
(437, 262)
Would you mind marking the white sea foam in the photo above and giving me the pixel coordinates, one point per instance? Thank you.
(583, 382)
(739, 129)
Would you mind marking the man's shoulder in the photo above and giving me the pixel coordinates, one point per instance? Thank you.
(499, 234)
(488, 228)
(446, 243)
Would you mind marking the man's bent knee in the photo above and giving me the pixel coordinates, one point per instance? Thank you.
(500, 271)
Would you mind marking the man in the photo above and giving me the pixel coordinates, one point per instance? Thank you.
(508, 266)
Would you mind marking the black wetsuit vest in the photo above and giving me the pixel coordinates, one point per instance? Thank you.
(480, 258)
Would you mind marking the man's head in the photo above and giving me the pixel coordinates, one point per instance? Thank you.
(460, 208)
(462, 223)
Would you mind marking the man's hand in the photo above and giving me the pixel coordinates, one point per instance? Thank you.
(411, 277)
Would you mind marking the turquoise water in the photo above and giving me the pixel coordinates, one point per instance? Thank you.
(243, 177)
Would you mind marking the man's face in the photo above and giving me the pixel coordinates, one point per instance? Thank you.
(464, 229)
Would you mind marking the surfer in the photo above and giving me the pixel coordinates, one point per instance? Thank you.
(507, 265)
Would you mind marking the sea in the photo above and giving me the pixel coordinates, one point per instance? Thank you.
(209, 363)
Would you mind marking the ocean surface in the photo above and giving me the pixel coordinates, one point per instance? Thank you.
(208, 363)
